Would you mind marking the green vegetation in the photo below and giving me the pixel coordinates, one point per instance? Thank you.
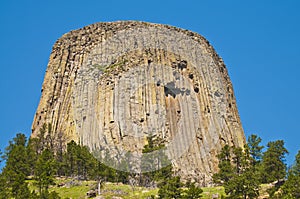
(243, 170)
(291, 188)
(99, 67)
(255, 149)
(110, 67)
(209, 192)
(192, 191)
(14, 174)
(273, 166)
(71, 188)
(236, 173)
(115, 65)
(44, 172)
(157, 164)
(45, 167)
(126, 191)
(171, 188)
(78, 190)
(46, 157)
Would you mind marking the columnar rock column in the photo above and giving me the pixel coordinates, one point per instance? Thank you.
(110, 85)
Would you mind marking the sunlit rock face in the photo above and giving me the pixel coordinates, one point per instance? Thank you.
(110, 85)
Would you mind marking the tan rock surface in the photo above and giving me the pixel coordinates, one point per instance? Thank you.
(112, 84)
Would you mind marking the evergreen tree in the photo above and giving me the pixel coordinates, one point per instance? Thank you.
(16, 169)
(101, 170)
(255, 149)
(225, 168)
(4, 190)
(61, 140)
(155, 162)
(86, 163)
(171, 189)
(19, 140)
(32, 149)
(41, 142)
(55, 142)
(71, 158)
(236, 174)
(49, 137)
(273, 166)
(244, 185)
(295, 170)
(291, 188)
(45, 170)
(238, 160)
(79, 162)
(192, 191)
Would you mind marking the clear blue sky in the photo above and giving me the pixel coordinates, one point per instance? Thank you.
(258, 40)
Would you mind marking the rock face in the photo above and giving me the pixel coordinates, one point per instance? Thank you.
(114, 84)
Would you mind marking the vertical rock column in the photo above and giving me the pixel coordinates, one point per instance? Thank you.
(110, 85)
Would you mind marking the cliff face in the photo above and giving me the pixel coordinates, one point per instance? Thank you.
(110, 85)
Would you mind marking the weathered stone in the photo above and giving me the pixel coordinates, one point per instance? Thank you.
(91, 193)
(113, 84)
(99, 197)
(116, 197)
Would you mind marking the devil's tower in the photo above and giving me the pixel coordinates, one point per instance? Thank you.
(110, 85)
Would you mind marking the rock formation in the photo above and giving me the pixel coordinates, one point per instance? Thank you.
(114, 84)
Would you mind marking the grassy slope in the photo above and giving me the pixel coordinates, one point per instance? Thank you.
(127, 192)
(209, 191)
(78, 191)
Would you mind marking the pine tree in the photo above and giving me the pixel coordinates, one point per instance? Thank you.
(273, 166)
(244, 185)
(236, 174)
(16, 170)
(295, 170)
(71, 158)
(45, 170)
(79, 162)
(41, 141)
(55, 142)
(60, 149)
(255, 149)
(291, 188)
(4, 190)
(155, 162)
(86, 162)
(32, 149)
(225, 168)
(238, 160)
(192, 191)
(171, 189)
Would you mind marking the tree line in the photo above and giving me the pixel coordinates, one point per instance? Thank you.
(45, 157)
(243, 170)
